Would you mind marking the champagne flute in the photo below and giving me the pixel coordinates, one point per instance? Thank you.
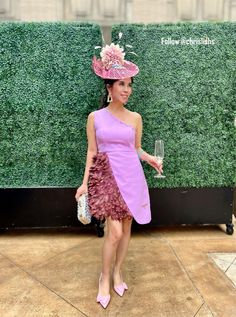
(159, 154)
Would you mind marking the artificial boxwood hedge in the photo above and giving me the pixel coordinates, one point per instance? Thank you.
(47, 89)
(186, 94)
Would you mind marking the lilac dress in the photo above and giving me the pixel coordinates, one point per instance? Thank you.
(117, 186)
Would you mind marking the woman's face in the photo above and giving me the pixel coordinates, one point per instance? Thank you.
(121, 90)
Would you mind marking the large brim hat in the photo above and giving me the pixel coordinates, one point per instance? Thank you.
(112, 64)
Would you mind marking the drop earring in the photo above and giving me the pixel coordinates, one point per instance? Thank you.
(109, 98)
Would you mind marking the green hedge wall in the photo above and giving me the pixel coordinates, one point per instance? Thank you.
(47, 89)
(186, 94)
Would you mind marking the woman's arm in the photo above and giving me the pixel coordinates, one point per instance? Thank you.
(144, 156)
(92, 146)
(92, 150)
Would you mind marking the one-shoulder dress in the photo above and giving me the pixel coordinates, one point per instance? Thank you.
(117, 185)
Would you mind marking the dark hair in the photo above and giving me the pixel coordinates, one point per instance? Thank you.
(110, 82)
(104, 102)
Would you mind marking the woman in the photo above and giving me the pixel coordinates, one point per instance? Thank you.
(114, 177)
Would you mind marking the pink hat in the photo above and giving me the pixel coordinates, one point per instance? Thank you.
(112, 64)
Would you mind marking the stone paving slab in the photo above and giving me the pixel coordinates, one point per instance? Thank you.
(23, 295)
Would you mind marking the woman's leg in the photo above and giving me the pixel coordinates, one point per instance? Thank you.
(112, 238)
(122, 250)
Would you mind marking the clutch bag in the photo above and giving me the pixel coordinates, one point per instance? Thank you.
(83, 209)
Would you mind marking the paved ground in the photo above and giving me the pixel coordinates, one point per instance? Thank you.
(171, 272)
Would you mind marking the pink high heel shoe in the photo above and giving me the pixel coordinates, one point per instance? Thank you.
(120, 289)
(103, 300)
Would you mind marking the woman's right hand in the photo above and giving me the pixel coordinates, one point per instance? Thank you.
(81, 190)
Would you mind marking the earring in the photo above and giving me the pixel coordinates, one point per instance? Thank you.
(109, 98)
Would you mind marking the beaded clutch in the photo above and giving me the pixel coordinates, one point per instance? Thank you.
(83, 209)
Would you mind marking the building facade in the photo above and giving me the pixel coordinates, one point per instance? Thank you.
(108, 12)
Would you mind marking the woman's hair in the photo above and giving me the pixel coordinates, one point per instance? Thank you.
(104, 102)
(109, 82)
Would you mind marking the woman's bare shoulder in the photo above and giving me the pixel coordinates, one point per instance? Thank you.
(135, 114)
(91, 114)
(90, 118)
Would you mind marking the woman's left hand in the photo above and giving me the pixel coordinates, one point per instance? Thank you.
(153, 162)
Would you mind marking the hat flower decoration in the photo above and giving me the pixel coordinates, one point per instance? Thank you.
(112, 64)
